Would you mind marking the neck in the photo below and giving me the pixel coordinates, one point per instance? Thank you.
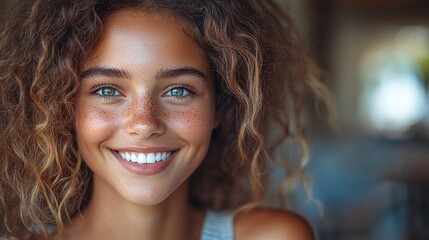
(109, 216)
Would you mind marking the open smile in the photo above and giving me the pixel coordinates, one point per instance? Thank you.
(151, 161)
(145, 158)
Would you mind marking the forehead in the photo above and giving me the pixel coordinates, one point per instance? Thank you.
(137, 34)
(145, 18)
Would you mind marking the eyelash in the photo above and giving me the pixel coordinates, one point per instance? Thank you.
(106, 86)
(189, 90)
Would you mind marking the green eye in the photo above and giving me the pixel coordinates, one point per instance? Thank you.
(178, 92)
(107, 92)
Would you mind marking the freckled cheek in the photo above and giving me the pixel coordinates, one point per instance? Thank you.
(95, 124)
(196, 124)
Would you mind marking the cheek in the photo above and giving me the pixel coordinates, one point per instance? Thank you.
(94, 124)
(195, 124)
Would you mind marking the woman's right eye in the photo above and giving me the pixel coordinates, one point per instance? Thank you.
(107, 92)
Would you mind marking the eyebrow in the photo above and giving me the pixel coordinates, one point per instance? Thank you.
(105, 72)
(162, 74)
(172, 73)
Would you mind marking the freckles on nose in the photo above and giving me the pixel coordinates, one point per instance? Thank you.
(145, 109)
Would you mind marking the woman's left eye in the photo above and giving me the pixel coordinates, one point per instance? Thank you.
(178, 92)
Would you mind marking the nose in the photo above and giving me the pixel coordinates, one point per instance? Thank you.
(144, 118)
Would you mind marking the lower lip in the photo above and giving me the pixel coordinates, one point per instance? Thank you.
(144, 168)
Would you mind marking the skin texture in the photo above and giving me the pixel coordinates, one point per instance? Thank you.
(143, 53)
(130, 107)
(264, 223)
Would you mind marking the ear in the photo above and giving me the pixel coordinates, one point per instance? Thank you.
(216, 122)
(219, 111)
(217, 118)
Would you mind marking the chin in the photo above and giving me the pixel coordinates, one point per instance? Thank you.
(151, 196)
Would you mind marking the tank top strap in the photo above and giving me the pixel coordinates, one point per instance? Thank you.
(218, 226)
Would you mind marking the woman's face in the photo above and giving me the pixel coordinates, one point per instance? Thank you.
(145, 110)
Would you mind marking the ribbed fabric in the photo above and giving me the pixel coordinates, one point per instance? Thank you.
(218, 226)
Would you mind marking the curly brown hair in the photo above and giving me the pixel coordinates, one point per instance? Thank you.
(263, 75)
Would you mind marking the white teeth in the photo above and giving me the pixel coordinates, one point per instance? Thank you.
(145, 158)
(141, 158)
(150, 158)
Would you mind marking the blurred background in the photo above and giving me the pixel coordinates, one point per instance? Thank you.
(371, 175)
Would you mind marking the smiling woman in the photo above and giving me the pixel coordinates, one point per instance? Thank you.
(159, 103)
(149, 119)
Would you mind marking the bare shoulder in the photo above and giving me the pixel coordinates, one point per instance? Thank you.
(271, 224)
